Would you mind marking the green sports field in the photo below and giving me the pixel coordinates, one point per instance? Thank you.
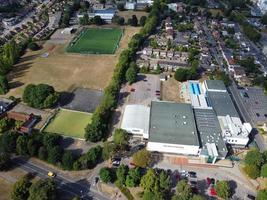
(69, 123)
(96, 41)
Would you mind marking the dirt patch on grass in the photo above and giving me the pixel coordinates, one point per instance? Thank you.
(63, 70)
(129, 13)
(171, 90)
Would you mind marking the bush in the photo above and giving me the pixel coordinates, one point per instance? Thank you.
(131, 75)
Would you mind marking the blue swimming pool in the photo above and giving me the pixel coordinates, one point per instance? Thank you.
(194, 88)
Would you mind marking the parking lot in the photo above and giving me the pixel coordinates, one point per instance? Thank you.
(145, 90)
(240, 186)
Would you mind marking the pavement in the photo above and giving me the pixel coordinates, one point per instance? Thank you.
(81, 188)
(245, 115)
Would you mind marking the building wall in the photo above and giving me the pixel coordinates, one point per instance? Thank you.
(173, 148)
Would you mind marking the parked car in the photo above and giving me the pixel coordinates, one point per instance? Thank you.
(250, 197)
(213, 191)
(208, 181)
(192, 174)
(116, 161)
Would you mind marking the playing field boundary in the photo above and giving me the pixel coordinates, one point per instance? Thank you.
(54, 115)
(71, 47)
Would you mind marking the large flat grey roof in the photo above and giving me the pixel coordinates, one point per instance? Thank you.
(256, 103)
(215, 85)
(222, 104)
(172, 123)
(209, 129)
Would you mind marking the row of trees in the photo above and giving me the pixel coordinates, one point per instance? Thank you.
(9, 55)
(256, 164)
(47, 147)
(24, 189)
(156, 183)
(97, 129)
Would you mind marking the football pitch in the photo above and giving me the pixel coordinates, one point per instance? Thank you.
(96, 41)
(69, 123)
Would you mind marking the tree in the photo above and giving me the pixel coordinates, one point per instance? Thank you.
(4, 124)
(20, 190)
(180, 74)
(121, 174)
(120, 6)
(51, 139)
(198, 197)
(134, 21)
(141, 158)
(148, 180)
(262, 195)
(8, 142)
(43, 189)
(121, 137)
(33, 147)
(223, 189)
(183, 191)
(264, 170)
(21, 146)
(131, 75)
(108, 150)
(84, 20)
(134, 177)
(42, 153)
(105, 175)
(4, 160)
(67, 160)
(264, 19)
(40, 96)
(3, 85)
(102, 1)
(33, 46)
(54, 154)
(97, 20)
(142, 20)
(254, 157)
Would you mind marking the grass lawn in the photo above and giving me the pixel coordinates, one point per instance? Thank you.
(69, 123)
(96, 41)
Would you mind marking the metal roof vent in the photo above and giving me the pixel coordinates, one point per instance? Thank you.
(184, 123)
(184, 116)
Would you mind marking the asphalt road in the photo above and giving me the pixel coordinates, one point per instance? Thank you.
(81, 189)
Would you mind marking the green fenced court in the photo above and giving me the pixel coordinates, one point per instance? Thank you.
(96, 41)
(69, 123)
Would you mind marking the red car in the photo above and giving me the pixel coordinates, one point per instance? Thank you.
(213, 191)
(132, 90)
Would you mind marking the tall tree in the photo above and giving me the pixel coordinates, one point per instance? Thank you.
(121, 137)
(43, 189)
(141, 158)
(121, 174)
(3, 85)
(21, 188)
(223, 189)
(21, 146)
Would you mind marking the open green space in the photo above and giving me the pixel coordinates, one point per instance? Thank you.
(96, 41)
(69, 123)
